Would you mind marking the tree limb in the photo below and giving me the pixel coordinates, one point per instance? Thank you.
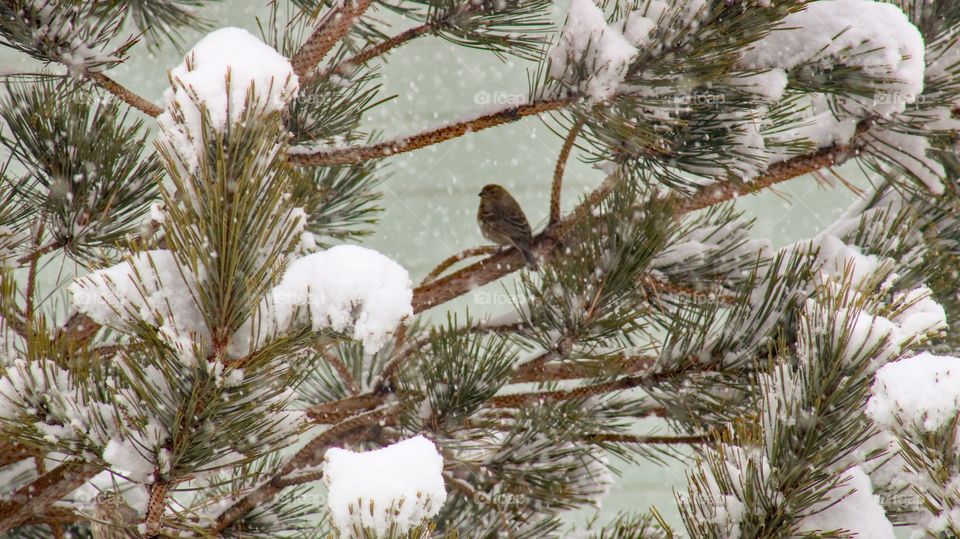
(463, 255)
(34, 498)
(125, 94)
(358, 154)
(380, 49)
(559, 169)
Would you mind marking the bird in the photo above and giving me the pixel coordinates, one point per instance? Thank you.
(502, 221)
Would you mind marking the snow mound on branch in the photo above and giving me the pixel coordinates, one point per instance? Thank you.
(149, 287)
(217, 75)
(401, 484)
(605, 50)
(923, 389)
(856, 332)
(875, 36)
(343, 287)
(850, 506)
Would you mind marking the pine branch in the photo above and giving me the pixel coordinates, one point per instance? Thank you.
(46, 490)
(330, 31)
(125, 94)
(343, 409)
(779, 172)
(341, 368)
(558, 171)
(519, 400)
(575, 371)
(359, 154)
(659, 440)
(463, 255)
(503, 263)
(34, 255)
(12, 451)
(380, 49)
(535, 366)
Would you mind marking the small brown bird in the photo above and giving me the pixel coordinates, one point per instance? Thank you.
(502, 221)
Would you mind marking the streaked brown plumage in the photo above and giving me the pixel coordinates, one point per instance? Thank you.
(502, 221)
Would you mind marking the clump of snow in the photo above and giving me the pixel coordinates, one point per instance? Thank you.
(345, 286)
(150, 287)
(850, 506)
(912, 150)
(605, 50)
(135, 460)
(742, 466)
(923, 390)
(855, 331)
(876, 36)
(400, 485)
(45, 395)
(216, 76)
(66, 41)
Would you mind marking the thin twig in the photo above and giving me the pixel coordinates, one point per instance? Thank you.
(32, 278)
(559, 170)
(462, 255)
(379, 49)
(358, 154)
(125, 94)
(660, 440)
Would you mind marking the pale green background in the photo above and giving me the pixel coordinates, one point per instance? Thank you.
(431, 196)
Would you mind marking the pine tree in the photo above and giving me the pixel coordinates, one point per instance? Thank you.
(224, 346)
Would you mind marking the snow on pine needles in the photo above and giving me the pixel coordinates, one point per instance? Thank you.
(389, 490)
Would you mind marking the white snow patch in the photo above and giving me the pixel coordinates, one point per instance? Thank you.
(875, 36)
(923, 390)
(217, 75)
(605, 50)
(850, 506)
(401, 484)
(343, 287)
(152, 287)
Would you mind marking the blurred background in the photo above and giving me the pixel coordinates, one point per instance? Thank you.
(430, 196)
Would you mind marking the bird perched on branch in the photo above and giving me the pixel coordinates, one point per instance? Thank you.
(502, 221)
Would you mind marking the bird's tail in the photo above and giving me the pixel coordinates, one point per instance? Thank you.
(531, 260)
